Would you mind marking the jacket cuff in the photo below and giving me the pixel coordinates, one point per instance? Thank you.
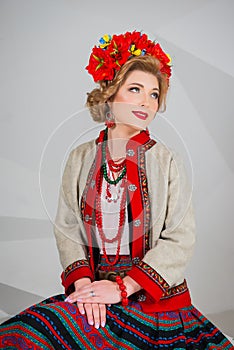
(75, 271)
(149, 279)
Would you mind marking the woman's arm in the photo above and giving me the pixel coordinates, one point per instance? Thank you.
(73, 256)
(68, 232)
(164, 265)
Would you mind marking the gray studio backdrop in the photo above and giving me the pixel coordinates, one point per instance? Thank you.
(45, 46)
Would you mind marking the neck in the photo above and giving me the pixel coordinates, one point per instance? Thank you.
(118, 138)
(122, 131)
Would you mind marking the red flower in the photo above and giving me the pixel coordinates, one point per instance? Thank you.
(136, 38)
(136, 41)
(118, 50)
(157, 52)
(100, 65)
(166, 70)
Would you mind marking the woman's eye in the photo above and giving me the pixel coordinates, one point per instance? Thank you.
(134, 89)
(155, 95)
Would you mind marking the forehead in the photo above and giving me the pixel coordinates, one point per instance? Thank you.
(144, 78)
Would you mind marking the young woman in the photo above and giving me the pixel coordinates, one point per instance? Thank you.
(124, 226)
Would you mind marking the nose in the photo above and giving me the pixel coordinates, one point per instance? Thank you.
(144, 100)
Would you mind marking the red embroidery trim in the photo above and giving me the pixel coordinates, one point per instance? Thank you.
(75, 265)
(154, 275)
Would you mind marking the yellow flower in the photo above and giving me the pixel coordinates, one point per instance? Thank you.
(105, 41)
(169, 58)
(134, 52)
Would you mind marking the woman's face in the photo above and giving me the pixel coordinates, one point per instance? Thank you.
(136, 102)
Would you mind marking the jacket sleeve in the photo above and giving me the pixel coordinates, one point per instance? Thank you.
(68, 231)
(164, 264)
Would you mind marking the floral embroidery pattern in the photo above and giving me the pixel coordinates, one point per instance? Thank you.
(75, 265)
(89, 183)
(124, 263)
(145, 194)
(154, 275)
(180, 289)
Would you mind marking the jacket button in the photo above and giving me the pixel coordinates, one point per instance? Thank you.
(141, 297)
(130, 152)
(132, 187)
(87, 217)
(136, 260)
(137, 223)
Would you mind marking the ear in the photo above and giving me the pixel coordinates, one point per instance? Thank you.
(108, 103)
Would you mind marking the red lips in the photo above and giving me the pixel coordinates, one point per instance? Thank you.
(140, 114)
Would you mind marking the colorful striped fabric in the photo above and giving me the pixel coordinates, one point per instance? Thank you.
(55, 324)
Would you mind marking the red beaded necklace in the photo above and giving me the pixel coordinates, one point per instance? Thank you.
(114, 165)
(122, 216)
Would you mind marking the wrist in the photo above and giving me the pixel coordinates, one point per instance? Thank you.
(131, 285)
(122, 289)
(81, 282)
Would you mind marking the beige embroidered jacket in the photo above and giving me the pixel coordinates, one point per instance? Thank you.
(172, 221)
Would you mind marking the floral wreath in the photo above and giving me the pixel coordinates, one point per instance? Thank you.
(113, 51)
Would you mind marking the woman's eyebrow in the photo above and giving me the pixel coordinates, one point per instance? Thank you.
(142, 86)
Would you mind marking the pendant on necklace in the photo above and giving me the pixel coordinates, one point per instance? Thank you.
(114, 196)
(112, 193)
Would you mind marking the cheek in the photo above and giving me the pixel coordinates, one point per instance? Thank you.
(152, 115)
(126, 97)
(121, 110)
(154, 106)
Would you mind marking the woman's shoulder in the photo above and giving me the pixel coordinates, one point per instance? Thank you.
(161, 150)
(83, 149)
(165, 156)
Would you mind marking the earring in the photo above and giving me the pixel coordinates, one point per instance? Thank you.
(110, 122)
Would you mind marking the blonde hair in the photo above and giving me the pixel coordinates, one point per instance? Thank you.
(97, 98)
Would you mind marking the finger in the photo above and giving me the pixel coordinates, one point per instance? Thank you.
(89, 313)
(81, 308)
(96, 315)
(79, 297)
(72, 298)
(91, 300)
(102, 310)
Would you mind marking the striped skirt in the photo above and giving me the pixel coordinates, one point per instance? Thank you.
(55, 324)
